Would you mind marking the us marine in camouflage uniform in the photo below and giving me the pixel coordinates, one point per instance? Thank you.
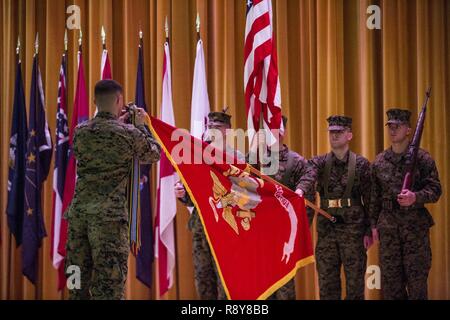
(400, 216)
(98, 220)
(291, 167)
(206, 276)
(343, 182)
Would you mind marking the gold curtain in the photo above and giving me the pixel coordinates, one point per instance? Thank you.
(329, 62)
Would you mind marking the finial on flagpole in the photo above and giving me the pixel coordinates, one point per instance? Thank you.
(18, 45)
(66, 40)
(80, 39)
(141, 34)
(36, 43)
(103, 36)
(197, 22)
(167, 28)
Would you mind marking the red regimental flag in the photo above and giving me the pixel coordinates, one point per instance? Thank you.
(257, 230)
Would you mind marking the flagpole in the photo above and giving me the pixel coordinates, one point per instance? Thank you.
(197, 25)
(103, 35)
(307, 202)
(166, 28)
(18, 49)
(66, 57)
(80, 41)
(177, 270)
(66, 85)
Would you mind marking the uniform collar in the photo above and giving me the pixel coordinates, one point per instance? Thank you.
(393, 157)
(106, 115)
(338, 161)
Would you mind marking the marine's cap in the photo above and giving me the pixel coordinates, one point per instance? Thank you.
(339, 123)
(398, 116)
(219, 118)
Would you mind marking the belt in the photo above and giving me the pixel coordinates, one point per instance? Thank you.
(391, 205)
(340, 203)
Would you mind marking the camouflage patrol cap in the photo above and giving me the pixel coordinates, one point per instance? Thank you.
(220, 118)
(398, 116)
(339, 123)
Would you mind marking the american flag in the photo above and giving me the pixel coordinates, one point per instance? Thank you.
(261, 81)
(59, 173)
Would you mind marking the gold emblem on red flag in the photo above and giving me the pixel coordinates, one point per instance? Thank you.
(243, 195)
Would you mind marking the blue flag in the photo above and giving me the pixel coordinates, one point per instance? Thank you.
(144, 258)
(17, 151)
(39, 153)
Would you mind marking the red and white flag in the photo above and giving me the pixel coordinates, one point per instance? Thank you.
(200, 101)
(59, 173)
(105, 70)
(261, 81)
(166, 205)
(79, 115)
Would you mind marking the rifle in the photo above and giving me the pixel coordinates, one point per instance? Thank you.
(413, 149)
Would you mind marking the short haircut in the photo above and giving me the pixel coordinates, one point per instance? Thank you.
(107, 87)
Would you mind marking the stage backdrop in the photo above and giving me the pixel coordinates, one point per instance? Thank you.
(330, 63)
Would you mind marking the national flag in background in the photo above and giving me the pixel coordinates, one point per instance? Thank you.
(59, 172)
(166, 205)
(261, 81)
(144, 258)
(200, 107)
(257, 229)
(39, 153)
(200, 102)
(80, 114)
(105, 65)
(105, 70)
(17, 159)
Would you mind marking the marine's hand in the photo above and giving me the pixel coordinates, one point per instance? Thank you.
(141, 115)
(406, 198)
(124, 117)
(180, 191)
(300, 192)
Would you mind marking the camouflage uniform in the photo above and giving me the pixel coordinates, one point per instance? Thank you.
(98, 219)
(405, 252)
(206, 275)
(341, 243)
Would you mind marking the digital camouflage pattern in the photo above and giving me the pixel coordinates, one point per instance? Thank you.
(98, 215)
(405, 252)
(341, 243)
(206, 277)
(339, 123)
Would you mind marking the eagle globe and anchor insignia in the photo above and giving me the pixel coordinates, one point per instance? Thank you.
(244, 197)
